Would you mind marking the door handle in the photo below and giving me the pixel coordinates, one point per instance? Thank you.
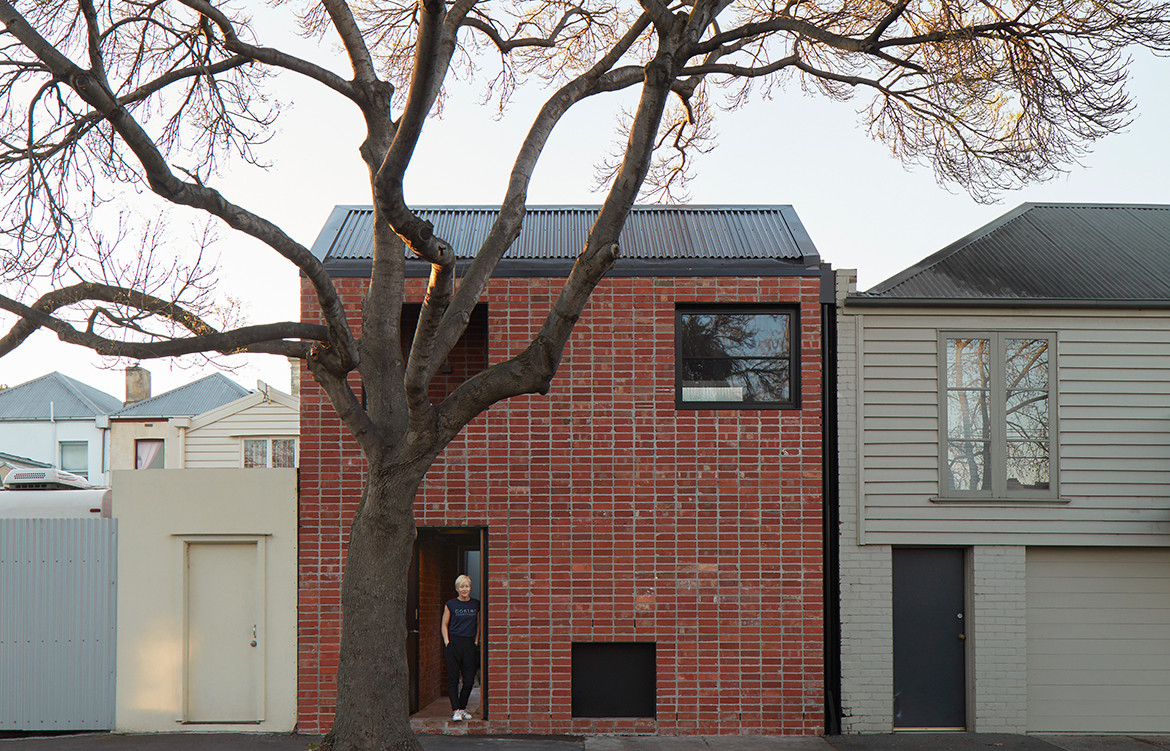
(962, 637)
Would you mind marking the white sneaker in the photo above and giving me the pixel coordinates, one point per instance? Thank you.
(465, 713)
(458, 715)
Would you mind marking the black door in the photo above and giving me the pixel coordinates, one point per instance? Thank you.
(929, 638)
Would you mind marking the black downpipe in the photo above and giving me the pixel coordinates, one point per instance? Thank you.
(830, 504)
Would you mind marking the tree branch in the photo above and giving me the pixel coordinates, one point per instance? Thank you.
(267, 338)
(268, 55)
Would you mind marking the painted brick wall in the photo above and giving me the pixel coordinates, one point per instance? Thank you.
(1000, 643)
(611, 516)
(867, 670)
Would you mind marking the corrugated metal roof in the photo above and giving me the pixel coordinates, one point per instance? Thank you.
(192, 399)
(1073, 252)
(64, 397)
(559, 232)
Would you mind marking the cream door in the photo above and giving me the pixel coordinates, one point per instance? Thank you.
(224, 663)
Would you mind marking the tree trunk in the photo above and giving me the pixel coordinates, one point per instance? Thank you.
(372, 676)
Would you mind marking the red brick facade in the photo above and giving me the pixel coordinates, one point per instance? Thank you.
(610, 516)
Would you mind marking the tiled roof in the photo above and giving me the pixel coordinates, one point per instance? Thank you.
(192, 399)
(1047, 253)
(55, 395)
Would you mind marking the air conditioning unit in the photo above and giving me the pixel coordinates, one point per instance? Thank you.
(44, 479)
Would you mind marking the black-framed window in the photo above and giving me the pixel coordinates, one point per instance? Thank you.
(736, 356)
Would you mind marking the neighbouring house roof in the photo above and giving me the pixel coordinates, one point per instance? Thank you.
(1046, 254)
(729, 239)
(192, 399)
(263, 394)
(57, 396)
(13, 460)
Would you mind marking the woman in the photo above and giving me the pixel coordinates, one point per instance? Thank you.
(461, 644)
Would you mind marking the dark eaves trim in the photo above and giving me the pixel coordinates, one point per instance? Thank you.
(625, 267)
(1004, 302)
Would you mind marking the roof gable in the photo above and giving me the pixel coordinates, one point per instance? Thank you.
(1047, 252)
(696, 234)
(192, 399)
(55, 396)
(262, 395)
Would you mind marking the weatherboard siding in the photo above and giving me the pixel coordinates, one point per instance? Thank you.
(219, 443)
(1113, 406)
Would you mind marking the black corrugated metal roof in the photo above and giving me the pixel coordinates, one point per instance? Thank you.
(56, 395)
(557, 233)
(192, 399)
(1047, 252)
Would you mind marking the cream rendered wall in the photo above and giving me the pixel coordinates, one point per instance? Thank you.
(157, 511)
(123, 434)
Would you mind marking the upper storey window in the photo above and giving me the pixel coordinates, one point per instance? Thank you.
(735, 357)
(998, 414)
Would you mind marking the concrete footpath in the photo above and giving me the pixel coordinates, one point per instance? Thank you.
(896, 742)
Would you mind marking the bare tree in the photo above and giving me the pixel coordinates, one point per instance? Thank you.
(157, 94)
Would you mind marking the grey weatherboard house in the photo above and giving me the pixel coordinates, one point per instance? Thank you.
(1005, 480)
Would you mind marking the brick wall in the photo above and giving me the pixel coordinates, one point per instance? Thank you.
(867, 669)
(1000, 640)
(611, 516)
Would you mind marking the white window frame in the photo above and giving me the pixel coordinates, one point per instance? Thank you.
(269, 455)
(61, 457)
(997, 468)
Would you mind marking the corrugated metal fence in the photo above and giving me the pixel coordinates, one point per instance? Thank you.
(57, 623)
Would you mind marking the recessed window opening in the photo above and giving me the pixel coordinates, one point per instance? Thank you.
(614, 679)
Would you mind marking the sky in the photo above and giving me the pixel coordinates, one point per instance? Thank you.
(863, 209)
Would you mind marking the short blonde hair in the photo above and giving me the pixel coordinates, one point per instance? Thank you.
(462, 578)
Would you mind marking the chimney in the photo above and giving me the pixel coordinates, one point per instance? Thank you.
(137, 384)
(294, 364)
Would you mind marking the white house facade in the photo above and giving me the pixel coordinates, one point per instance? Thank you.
(1004, 474)
(57, 421)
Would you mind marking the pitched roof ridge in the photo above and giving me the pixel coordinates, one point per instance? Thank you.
(934, 259)
(244, 391)
(79, 389)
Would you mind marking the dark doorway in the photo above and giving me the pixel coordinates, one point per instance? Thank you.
(930, 626)
(440, 555)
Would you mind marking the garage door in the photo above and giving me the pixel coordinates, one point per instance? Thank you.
(1098, 640)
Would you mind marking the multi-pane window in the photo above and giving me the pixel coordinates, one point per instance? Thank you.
(75, 457)
(270, 452)
(998, 415)
(735, 357)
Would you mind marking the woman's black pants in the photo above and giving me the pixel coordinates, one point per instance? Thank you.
(462, 655)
